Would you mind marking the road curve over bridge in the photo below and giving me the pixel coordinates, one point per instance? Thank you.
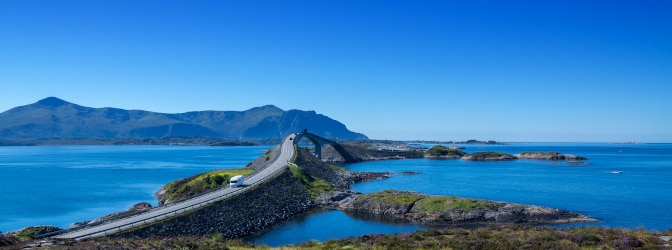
(163, 212)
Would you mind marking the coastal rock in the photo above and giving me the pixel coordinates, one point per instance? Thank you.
(336, 199)
(489, 156)
(442, 152)
(7, 240)
(443, 210)
(365, 152)
(32, 231)
(549, 156)
(357, 177)
(390, 203)
(137, 208)
(161, 196)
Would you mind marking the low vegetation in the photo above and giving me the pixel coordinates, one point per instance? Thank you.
(315, 186)
(29, 233)
(490, 237)
(489, 156)
(438, 204)
(392, 197)
(197, 184)
(443, 151)
(500, 237)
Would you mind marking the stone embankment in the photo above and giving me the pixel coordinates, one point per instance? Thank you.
(442, 210)
(267, 204)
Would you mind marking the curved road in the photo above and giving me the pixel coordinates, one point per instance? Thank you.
(159, 213)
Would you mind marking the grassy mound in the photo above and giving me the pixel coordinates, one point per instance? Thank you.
(438, 204)
(197, 184)
(442, 151)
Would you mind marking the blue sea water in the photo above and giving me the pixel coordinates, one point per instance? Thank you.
(639, 197)
(59, 185)
(64, 184)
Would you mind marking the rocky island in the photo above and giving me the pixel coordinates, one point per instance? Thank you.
(555, 156)
(489, 156)
(445, 210)
(442, 152)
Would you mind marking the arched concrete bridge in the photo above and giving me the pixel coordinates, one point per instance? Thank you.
(320, 142)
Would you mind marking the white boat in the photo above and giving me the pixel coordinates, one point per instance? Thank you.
(617, 172)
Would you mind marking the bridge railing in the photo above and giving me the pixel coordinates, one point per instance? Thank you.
(171, 213)
(175, 212)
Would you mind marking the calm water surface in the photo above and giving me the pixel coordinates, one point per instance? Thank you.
(65, 184)
(640, 197)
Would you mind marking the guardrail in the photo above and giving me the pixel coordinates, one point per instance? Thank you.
(169, 213)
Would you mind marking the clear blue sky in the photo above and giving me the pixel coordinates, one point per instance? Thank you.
(436, 70)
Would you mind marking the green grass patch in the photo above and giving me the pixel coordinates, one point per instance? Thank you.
(393, 197)
(29, 233)
(315, 186)
(434, 204)
(468, 204)
(438, 204)
(203, 182)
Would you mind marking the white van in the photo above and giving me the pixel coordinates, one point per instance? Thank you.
(236, 181)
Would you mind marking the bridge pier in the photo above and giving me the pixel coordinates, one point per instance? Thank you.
(318, 150)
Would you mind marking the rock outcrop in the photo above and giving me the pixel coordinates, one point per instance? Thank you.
(443, 210)
(549, 156)
(135, 209)
(32, 231)
(363, 152)
(442, 152)
(489, 156)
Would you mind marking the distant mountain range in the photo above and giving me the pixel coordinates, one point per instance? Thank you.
(55, 118)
